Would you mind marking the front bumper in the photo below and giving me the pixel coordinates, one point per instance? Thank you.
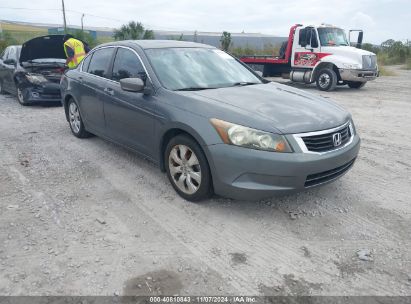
(358, 75)
(247, 174)
(44, 93)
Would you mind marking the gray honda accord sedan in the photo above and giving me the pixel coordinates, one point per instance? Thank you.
(210, 122)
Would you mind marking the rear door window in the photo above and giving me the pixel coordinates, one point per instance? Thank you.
(127, 65)
(100, 62)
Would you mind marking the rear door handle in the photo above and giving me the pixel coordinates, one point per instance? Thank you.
(109, 91)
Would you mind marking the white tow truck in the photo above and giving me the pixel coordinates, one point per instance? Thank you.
(320, 54)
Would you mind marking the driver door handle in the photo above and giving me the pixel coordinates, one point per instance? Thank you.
(109, 91)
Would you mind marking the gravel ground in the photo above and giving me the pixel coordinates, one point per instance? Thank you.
(87, 217)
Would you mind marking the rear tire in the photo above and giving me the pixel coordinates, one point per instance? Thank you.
(356, 84)
(75, 120)
(187, 168)
(20, 97)
(326, 80)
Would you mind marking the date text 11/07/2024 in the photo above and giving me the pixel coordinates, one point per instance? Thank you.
(203, 299)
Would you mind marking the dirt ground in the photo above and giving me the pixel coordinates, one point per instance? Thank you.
(87, 217)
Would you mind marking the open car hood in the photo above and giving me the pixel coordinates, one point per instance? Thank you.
(51, 46)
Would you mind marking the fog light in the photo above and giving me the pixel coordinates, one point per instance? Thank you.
(35, 94)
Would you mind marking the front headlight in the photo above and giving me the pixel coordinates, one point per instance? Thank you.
(352, 66)
(36, 78)
(237, 135)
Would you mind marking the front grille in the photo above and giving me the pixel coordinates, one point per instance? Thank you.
(326, 176)
(324, 142)
(369, 62)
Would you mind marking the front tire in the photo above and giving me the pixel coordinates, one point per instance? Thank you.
(187, 168)
(75, 120)
(326, 80)
(355, 84)
(20, 97)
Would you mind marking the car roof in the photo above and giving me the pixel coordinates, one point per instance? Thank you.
(158, 44)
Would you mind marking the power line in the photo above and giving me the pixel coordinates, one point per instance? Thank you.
(58, 9)
(30, 9)
(80, 13)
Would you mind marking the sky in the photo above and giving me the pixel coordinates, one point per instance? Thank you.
(380, 19)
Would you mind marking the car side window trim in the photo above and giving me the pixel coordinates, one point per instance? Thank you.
(115, 57)
(111, 65)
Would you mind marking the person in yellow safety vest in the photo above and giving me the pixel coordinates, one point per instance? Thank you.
(75, 52)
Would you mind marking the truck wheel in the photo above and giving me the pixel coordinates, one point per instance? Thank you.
(355, 84)
(326, 80)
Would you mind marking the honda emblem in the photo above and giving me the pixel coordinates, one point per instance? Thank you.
(337, 140)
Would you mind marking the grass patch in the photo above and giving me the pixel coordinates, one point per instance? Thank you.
(386, 72)
(407, 64)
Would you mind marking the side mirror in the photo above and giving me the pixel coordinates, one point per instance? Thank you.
(10, 62)
(358, 44)
(132, 84)
(259, 73)
(359, 41)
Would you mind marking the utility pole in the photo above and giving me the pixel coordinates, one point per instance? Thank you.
(64, 17)
(82, 28)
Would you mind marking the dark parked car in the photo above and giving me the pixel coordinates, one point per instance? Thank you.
(32, 71)
(207, 120)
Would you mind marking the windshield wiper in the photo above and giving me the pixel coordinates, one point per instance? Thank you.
(244, 83)
(194, 89)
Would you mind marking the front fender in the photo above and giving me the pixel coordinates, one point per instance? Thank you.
(335, 62)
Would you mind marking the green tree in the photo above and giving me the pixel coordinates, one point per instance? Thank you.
(6, 39)
(388, 43)
(370, 47)
(148, 35)
(84, 36)
(133, 30)
(225, 41)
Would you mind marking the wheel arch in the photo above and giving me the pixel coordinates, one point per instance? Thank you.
(173, 131)
(324, 64)
(65, 100)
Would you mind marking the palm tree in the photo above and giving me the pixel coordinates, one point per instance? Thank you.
(134, 31)
(225, 41)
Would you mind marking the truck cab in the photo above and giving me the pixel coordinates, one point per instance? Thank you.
(320, 54)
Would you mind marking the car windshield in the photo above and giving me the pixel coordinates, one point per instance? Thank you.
(198, 69)
(332, 37)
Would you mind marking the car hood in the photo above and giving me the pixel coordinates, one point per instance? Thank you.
(51, 46)
(286, 109)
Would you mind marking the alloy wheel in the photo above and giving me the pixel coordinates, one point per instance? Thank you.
(184, 169)
(324, 80)
(74, 116)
